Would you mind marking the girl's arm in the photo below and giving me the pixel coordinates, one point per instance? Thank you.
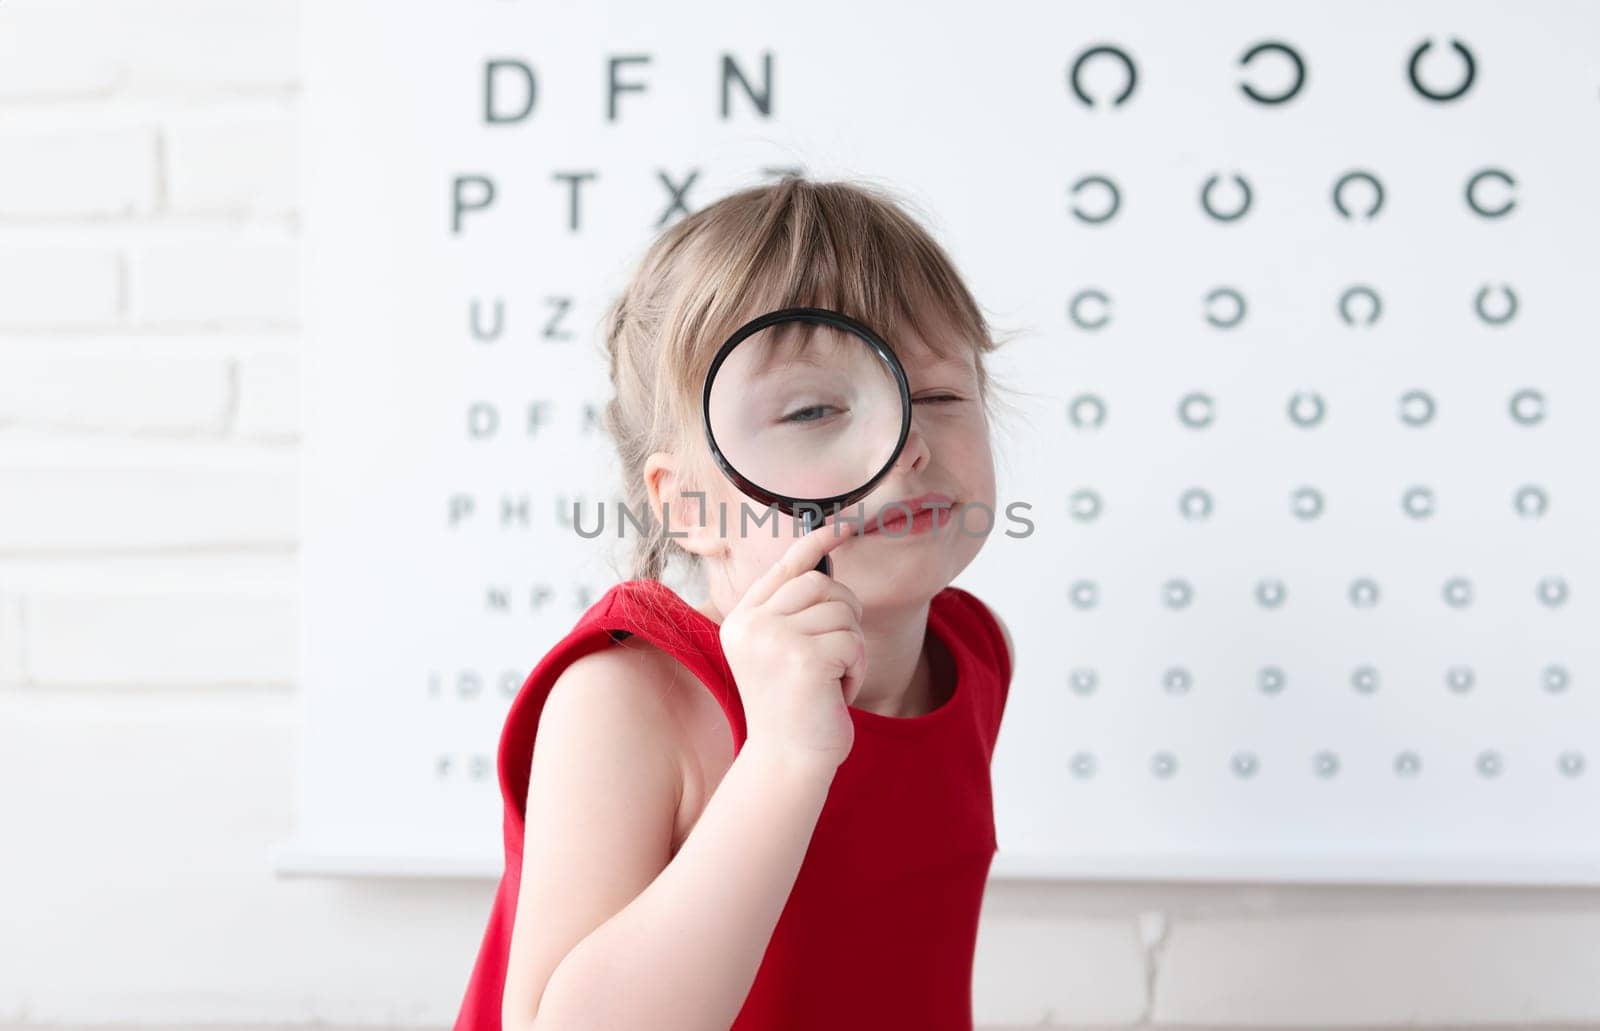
(611, 930)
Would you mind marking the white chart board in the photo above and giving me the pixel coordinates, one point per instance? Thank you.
(1308, 438)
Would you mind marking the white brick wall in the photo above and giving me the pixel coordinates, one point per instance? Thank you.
(148, 430)
(113, 172)
(242, 165)
(59, 287)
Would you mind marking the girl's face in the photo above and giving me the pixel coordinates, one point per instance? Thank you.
(947, 454)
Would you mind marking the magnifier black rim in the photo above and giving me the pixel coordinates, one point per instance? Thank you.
(828, 316)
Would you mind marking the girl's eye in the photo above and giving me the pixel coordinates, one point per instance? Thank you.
(939, 397)
(810, 413)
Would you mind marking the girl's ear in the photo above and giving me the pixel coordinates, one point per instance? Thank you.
(687, 513)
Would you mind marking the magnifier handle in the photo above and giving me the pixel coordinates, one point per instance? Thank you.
(810, 519)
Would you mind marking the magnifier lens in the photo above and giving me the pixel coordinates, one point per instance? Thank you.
(805, 410)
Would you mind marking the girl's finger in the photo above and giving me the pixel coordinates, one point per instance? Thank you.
(801, 557)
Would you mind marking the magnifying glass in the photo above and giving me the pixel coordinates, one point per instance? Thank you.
(805, 410)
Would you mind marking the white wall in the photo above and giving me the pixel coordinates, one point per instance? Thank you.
(148, 344)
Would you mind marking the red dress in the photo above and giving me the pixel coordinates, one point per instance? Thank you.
(879, 929)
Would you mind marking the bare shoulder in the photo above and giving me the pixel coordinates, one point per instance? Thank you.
(632, 677)
(624, 702)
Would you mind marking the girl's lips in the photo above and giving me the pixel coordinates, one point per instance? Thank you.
(926, 509)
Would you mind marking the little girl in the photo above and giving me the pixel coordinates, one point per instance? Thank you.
(770, 809)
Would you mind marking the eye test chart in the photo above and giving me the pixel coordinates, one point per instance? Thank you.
(1303, 369)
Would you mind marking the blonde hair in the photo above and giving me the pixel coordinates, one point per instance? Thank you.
(844, 245)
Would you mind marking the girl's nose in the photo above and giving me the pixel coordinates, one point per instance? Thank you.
(915, 454)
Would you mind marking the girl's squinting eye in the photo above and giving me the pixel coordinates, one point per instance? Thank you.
(938, 397)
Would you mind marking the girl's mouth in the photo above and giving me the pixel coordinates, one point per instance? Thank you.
(927, 513)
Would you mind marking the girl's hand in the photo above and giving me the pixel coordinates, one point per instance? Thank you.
(795, 647)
